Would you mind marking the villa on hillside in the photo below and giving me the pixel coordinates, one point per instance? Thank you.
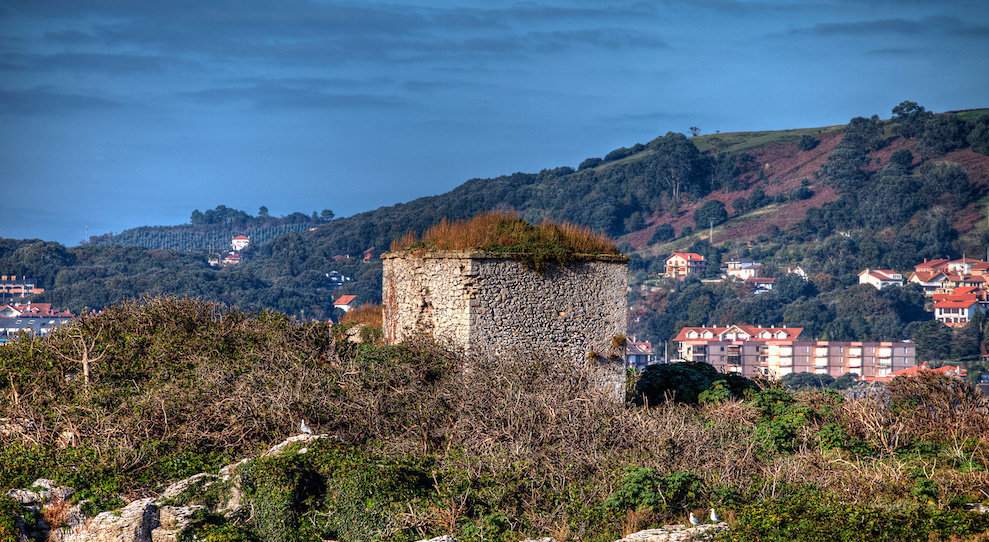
(957, 310)
(681, 264)
(777, 351)
(344, 302)
(239, 242)
(741, 269)
(880, 278)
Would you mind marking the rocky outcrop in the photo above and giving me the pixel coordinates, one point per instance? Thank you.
(677, 533)
(667, 533)
(166, 517)
(154, 519)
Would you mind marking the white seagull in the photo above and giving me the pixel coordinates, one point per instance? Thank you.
(694, 520)
(714, 517)
(305, 428)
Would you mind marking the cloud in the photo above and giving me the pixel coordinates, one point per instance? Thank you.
(45, 100)
(895, 51)
(276, 96)
(90, 62)
(898, 26)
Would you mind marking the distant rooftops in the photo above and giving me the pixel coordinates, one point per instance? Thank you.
(738, 333)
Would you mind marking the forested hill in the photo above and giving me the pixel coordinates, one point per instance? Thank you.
(872, 193)
(211, 230)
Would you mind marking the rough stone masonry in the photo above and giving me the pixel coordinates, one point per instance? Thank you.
(496, 306)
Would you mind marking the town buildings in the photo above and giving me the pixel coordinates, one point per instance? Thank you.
(638, 354)
(681, 264)
(777, 351)
(31, 318)
(11, 286)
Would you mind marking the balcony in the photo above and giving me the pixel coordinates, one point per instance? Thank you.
(820, 362)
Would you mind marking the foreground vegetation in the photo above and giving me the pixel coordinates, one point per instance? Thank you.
(421, 446)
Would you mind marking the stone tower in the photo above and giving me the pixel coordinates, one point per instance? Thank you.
(496, 305)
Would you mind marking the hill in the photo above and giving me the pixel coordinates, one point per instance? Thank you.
(882, 193)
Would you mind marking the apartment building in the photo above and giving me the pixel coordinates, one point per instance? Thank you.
(777, 351)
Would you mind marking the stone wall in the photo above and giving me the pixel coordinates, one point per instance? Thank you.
(496, 306)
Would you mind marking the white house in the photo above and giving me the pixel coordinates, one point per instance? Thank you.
(742, 269)
(681, 264)
(957, 312)
(880, 278)
(240, 242)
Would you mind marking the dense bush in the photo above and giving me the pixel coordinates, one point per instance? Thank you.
(685, 382)
(423, 443)
(663, 232)
(807, 143)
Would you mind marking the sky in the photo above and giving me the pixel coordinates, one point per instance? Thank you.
(121, 113)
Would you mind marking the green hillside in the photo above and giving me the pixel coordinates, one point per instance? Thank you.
(883, 193)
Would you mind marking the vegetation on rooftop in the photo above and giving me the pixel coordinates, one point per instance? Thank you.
(507, 233)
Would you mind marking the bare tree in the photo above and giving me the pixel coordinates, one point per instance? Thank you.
(83, 340)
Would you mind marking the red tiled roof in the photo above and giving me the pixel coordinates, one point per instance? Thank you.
(881, 274)
(760, 280)
(241, 237)
(926, 276)
(344, 300)
(955, 303)
(913, 371)
(933, 265)
(752, 331)
(689, 256)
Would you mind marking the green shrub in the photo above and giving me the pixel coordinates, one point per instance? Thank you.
(684, 382)
(9, 509)
(646, 488)
(807, 142)
(812, 517)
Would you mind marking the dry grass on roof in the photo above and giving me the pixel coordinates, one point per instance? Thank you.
(508, 233)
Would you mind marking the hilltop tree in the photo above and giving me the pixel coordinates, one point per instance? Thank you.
(910, 118)
(678, 165)
(978, 138)
(942, 134)
(262, 211)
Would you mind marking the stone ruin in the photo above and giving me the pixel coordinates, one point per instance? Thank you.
(496, 306)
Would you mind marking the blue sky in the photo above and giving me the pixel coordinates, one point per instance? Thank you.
(118, 113)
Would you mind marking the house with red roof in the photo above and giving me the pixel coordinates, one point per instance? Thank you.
(239, 242)
(345, 302)
(880, 278)
(957, 310)
(777, 351)
(930, 281)
(681, 264)
(951, 370)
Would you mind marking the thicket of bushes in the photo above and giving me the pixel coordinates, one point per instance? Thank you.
(425, 443)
